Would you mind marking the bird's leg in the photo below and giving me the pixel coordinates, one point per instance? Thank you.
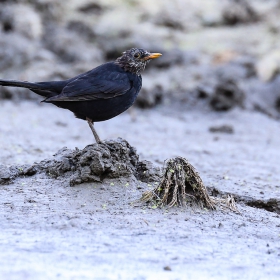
(90, 123)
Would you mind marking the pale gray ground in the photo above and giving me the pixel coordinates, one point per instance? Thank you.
(92, 231)
(49, 230)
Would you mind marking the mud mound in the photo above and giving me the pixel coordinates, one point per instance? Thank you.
(111, 159)
(222, 95)
(227, 95)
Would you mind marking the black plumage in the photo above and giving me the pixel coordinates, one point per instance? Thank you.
(99, 94)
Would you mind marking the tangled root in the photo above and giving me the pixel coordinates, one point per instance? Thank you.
(182, 185)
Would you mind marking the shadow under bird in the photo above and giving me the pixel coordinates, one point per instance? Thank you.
(99, 94)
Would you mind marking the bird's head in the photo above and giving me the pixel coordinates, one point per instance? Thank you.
(135, 60)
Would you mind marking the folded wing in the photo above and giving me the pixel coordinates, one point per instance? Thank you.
(98, 83)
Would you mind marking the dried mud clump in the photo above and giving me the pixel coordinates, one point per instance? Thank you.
(8, 174)
(150, 98)
(227, 95)
(146, 172)
(110, 159)
(228, 129)
(181, 185)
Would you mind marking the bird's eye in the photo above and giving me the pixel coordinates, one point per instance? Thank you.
(137, 55)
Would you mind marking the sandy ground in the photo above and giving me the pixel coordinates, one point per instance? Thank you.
(98, 231)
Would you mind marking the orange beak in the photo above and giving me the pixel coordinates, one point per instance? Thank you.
(152, 56)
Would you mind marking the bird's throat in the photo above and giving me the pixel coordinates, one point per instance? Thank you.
(130, 65)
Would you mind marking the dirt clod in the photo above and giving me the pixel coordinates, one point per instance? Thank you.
(222, 129)
(150, 98)
(110, 159)
(146, 172)
(227, 95)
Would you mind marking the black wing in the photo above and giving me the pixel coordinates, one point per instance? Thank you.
(104, 82)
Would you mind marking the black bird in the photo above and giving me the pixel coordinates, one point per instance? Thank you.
(99, 94)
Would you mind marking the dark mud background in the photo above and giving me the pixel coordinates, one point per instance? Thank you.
(213, 98)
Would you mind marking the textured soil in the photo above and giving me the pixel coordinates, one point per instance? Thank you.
(69, 209)
(100, 231)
